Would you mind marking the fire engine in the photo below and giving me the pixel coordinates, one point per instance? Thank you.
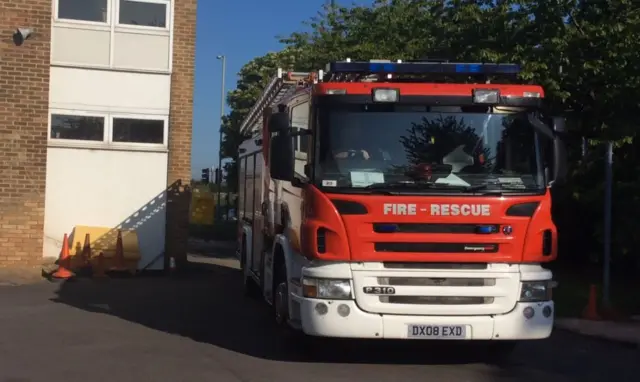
(402, 200)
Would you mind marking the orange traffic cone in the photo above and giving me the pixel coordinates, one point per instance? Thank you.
(119, 256)
(86, 250)
(98, 271)
(77, 256)
(64, 263)
(591, 310)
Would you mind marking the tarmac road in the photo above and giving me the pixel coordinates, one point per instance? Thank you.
(203, 329)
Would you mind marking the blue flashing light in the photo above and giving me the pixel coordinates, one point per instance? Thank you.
(387, 228)
(423, 68)
(485, 229)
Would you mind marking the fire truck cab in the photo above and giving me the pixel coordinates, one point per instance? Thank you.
(402, 200)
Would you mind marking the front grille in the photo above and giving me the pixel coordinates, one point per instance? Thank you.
(437, 247)
(436, 281)
(436, 300)
(482, 290)
(432, 228)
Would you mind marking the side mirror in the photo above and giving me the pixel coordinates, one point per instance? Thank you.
(282, 162)
(278, 122)
(560, 161)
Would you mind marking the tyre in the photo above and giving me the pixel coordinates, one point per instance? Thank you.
(249, 286)
(281, 297)
(296, 338)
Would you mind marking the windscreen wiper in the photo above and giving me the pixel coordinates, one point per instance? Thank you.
(502, 186)
(414, 186)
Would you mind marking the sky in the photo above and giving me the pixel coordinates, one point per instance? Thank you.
(240, 30)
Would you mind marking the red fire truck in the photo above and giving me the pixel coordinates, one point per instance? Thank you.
(402, 200)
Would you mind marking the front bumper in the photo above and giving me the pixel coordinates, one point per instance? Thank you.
(361, 324)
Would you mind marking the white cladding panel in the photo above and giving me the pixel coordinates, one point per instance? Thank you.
(109, 91)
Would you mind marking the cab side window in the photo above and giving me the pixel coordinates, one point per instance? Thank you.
(300, 121)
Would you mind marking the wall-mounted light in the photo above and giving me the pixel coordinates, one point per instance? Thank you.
(21, 35)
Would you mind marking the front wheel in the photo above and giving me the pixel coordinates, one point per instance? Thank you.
(296, 338)
(281, 297)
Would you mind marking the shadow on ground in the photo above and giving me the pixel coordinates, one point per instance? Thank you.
(207, 305)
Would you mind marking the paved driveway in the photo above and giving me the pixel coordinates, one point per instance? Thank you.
(202, 329)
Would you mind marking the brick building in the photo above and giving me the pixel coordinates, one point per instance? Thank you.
(96, 102)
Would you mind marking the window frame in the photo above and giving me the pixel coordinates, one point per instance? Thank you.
(168, 16)
(146, 117)
(57, 19)
(107, 139)
(78, 113)
(302, 101)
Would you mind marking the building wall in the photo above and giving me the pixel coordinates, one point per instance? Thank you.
(107, 182)
(181, 116)
(106, 69)
(71, 143)
(24, 99)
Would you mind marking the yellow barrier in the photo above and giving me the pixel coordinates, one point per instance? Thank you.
(103, 240)
(202, 207)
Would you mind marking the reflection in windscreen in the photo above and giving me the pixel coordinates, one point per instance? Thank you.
(442, 146)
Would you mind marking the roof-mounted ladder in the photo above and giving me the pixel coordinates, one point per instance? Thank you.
(280, 87)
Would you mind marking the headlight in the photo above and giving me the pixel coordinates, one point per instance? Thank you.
(386, 95)
(486, 96)
(534, 291)
(331, 289)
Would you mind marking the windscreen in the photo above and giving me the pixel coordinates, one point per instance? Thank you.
(363, 145)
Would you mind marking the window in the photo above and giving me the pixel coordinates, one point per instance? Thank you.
(76, 127)
(242, 181)
(450, 148)
(138, 130)
(83, 10)
(300, 122)
(249, 185)
(143, 13)
(108, 130)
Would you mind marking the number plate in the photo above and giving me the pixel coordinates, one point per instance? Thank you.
(439, 332)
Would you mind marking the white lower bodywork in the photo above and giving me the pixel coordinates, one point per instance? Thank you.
(368, 318)
(360, 324)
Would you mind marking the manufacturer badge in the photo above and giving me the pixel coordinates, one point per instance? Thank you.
(380, 290)
(507, 230)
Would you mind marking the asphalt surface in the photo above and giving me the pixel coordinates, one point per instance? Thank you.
(201, 328)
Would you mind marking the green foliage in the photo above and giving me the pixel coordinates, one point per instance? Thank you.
(585, 53)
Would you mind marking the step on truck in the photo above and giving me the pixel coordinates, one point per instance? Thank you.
(402, 200)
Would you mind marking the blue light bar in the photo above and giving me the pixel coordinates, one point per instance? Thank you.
(449, 68)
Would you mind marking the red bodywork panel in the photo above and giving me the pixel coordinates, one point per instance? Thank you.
(352, 238)
(427, 89)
